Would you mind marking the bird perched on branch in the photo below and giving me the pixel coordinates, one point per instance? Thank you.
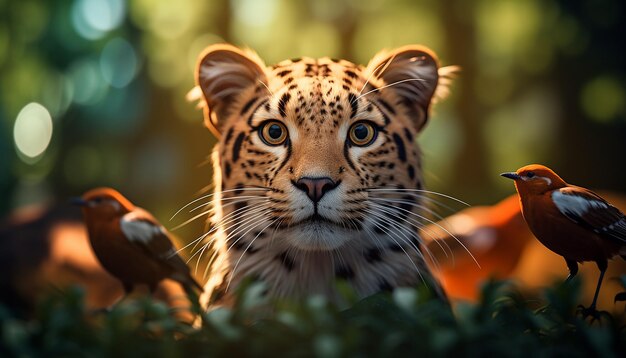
(130, 243)
(573, 222)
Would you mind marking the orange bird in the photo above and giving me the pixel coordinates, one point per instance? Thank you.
(130, 243)
(574, 222)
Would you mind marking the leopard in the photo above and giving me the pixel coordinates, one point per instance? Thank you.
(317, 173)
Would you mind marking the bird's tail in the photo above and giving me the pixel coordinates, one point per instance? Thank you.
(196, 284)
(188, 281)
(193, 289)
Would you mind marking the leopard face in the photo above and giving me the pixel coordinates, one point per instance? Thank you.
(317, 173)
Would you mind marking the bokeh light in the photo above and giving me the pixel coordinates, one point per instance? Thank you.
(92, 19)
(604, 99)
(255, 13)
(32, 131)
(57, 93)
(88, 83)
(170, 19)
(118, 62)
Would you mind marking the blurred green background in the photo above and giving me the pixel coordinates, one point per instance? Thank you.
(92, 92)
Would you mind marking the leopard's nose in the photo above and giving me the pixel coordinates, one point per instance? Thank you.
(315, 188)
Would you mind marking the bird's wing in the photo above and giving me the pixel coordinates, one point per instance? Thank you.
(588, 209)
(144, 231)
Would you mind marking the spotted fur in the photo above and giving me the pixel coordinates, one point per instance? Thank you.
(365, 229)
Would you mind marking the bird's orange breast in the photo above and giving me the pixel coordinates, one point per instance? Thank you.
(560, 234)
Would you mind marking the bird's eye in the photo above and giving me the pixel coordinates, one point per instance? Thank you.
(530, 174)
(273, 133)
(362, 134)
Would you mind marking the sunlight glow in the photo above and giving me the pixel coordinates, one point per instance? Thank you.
(32, 131)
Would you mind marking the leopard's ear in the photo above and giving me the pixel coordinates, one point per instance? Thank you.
(413, 74)
(223, 72)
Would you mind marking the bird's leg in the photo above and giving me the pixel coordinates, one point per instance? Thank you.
(591, 310)
(622, 295)
(602, 265)
(128, 288)
(573, 269)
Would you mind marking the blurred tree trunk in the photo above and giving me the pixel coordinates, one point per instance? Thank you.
(222, 19)
(471, 167)
(347, 29)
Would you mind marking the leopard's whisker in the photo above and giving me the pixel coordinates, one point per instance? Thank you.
(418, 196)
(390, 85)
(204, 247)
(227, 237)
(419, 191)
(340, 257)
(228, 218)
(244, 252)
(444, 229)
(407, 240)
(413, 203)
(370, 235)
(276, 226)
(210, 195)
(240, 211)
(421, 207)
(196, 217)
(420, 228)
(386, 64)
(442, 219)
(433, 238)
(373, 74)
(248, 226)
(195, 241)
(433, 258)
(380, 213)
(393, 237)
(267, 88)
(213, 205)
(245, 212)
(393, 215)
(431, 200)
(211, 210)
(250, 216)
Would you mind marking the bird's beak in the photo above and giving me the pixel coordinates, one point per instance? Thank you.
(78, 201)
(511, 175)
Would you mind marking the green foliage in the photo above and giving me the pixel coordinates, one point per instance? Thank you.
(502, 323)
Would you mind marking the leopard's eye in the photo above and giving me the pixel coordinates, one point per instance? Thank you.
(362, 134)
(273, 133)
